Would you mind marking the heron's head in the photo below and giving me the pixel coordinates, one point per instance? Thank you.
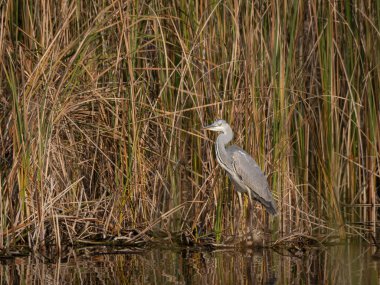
(218, 126)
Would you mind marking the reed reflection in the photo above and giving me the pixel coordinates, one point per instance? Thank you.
(346, 264)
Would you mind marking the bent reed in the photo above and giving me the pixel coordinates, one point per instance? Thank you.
(102, 104)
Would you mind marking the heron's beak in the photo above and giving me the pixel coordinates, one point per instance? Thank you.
(208, 127)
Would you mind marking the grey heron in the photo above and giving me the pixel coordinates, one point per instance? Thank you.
(241, 168)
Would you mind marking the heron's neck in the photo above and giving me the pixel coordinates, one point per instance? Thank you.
(225, 137)
(221, 142)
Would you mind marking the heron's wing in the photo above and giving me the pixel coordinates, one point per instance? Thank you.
(251, 176)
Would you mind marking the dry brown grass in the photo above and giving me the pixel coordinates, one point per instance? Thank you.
(102, 104)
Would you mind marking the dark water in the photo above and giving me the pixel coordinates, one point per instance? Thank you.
(343, 264)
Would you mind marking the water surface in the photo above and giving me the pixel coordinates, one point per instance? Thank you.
(342, 264)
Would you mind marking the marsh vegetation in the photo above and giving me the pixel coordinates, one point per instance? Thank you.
(102, 103)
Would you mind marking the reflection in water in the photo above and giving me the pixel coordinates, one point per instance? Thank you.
(344, 264)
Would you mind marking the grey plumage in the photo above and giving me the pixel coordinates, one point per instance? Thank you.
(241, 168)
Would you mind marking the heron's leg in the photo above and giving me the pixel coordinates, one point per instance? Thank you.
(238, 224)
(250, 212)
(240, 201)
(250, 197)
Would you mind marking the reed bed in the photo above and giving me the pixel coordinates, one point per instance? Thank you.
(102, 104)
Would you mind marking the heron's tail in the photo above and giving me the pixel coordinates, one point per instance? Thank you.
(271, 208)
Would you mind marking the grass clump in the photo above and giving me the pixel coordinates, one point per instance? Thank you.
(102, 104)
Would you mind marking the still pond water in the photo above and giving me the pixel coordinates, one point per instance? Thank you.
(342, 264)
